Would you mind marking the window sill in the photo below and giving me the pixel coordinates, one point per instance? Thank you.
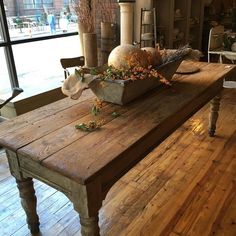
(22, 104)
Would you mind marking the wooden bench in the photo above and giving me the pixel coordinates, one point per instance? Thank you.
(44, 144)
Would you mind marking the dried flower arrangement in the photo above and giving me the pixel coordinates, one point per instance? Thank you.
(139, 66)
(133, 73)
(85, 11)
(113, 84)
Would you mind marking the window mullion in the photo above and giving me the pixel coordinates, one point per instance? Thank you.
(11, 67)
(8, 49)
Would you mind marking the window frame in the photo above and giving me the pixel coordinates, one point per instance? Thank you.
(8, 43)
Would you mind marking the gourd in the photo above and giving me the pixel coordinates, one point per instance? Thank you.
(156, 58)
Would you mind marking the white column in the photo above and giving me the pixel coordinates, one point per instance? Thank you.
(126, 22)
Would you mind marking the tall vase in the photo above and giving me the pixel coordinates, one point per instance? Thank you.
(90, 49)
(82, 28)
(108, 40)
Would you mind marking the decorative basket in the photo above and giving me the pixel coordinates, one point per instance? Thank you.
(123, 91)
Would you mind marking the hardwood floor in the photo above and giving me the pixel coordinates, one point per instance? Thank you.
(186, 186)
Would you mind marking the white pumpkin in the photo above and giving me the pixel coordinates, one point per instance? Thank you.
(127, 55)
(118, 56)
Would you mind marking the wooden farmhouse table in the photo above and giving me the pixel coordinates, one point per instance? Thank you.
(44, 144)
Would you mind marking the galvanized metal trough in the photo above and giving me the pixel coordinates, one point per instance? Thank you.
(124, 91)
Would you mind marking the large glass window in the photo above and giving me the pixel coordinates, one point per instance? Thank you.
(28, 4)
(37, 18)
(33, 38)
(67, 2)
(31, 4)
(48, 3)
(40, 67)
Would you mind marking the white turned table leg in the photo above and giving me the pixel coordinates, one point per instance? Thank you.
(29, 202)
(214, 113)
(89, 226)
(87, 200)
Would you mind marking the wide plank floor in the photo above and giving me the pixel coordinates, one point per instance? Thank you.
(186, 186)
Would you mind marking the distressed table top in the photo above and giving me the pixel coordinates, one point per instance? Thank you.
(47, 136)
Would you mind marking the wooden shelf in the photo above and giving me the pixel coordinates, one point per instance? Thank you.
(179, 18)
(191, 18)
(194, 25)
(146, 24)
(177, 40)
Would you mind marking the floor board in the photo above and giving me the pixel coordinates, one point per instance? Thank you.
(186, 186)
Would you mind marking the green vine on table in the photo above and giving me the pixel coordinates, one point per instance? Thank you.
(115, 114)
(93, 125)
(90, 126)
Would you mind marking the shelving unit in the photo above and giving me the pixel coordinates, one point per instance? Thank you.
(182, 21)
(148, 27)
(195, 23)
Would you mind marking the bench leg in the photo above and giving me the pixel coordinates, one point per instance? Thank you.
(214, 113)
(87, 200)
(28, 202)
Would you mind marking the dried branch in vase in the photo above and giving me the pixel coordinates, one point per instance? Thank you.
(85, 12)
(106, 10)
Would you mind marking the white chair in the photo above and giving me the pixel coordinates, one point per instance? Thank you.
(215, 47)
(215, 42)
(232, 57)
(11, 23)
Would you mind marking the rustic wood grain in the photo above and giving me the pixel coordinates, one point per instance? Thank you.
(41, 113)
(85, 166)
(123, 204)
(136, 121)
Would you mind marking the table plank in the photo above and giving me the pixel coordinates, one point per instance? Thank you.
(33, 130)
(60, 138)
(38, 114)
